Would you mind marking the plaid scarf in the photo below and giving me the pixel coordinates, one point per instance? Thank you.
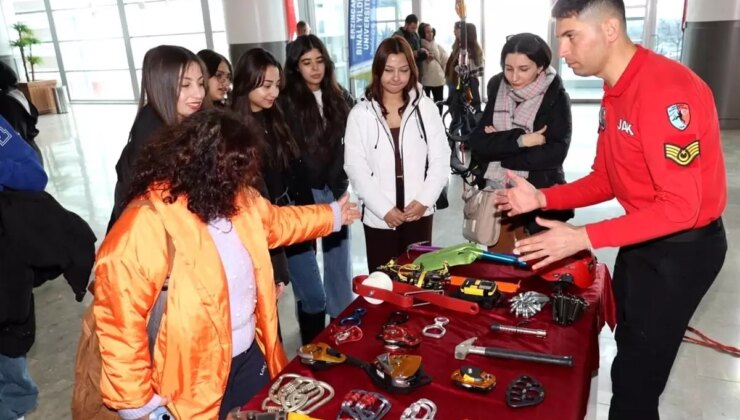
(517, 108)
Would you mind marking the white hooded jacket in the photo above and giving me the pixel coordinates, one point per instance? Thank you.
(370, 163)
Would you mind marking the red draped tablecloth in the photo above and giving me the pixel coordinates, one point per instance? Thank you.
(566, 389)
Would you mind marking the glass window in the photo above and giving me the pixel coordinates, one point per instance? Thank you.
(216, 10)
(579, 87)
(386, 29)
(405, 8)
(92, 23)
(591, 88)
(221, 45)
(635, 29)
(147, 18)
(100, 85)
(48, 56)
(635, 14)
(193, 42)
(79, 4)
(443, 19)
(668, 31)
(331, 27)
(387, 12)
(23, 6)
(109, 54)
(49, 75)
(38, 22)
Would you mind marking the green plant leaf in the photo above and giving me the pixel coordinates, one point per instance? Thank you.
(22, 28)
(34, 59)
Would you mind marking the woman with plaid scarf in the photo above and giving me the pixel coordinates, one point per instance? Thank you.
(525, 127)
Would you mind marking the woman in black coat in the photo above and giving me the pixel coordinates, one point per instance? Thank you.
(318, 107)
(525, 127)
(173, 87)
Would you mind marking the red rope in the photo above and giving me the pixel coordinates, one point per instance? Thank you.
(705, 341)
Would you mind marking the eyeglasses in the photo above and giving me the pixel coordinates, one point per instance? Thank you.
(222, 76)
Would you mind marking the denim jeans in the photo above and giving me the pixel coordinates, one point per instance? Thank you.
(18, 393)
(335, 292)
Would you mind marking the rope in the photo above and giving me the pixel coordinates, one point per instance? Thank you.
(705, 341)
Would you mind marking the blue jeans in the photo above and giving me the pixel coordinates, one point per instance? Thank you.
(18, 393)
(335, 293)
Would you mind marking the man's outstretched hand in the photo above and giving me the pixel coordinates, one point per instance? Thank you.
(561, 240)
(522, 197)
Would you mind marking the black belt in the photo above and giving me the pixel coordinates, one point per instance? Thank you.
(692, 235)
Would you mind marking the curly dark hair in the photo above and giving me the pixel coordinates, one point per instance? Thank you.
(208, 158)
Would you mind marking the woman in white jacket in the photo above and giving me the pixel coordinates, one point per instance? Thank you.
(396, 155)
(433, 68)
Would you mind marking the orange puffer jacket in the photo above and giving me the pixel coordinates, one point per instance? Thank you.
(192, 356)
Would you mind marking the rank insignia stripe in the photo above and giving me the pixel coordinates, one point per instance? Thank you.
(682, 156)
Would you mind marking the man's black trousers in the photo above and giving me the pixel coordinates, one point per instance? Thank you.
(658, 286)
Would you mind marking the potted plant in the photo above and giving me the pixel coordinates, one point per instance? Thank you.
(26, 39)
(40, 93)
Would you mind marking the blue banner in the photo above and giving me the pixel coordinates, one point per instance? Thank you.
(363, 35)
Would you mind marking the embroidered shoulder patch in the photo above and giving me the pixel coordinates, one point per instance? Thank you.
(682, 156)
(679, 115)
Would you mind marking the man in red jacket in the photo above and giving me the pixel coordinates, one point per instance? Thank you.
(659, 155)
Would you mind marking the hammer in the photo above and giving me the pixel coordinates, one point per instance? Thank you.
(466, 347)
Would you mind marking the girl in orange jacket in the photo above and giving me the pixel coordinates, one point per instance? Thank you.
(195, 216)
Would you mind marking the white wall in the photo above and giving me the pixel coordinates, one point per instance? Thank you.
(712, 10)
(254, 21)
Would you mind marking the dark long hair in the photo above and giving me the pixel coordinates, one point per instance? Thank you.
(212, 60)
(475, 52)
(208, 159)
(531, 45)
(322, 133)
(423, 28)
(249, 74)
(161, 77)
(393, 45)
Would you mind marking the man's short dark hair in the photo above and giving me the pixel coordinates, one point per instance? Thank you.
(573, 8)
(300, 25)
(412, 19)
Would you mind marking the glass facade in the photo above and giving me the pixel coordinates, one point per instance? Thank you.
(329, 19)
(95, 37)
(96, 47)
(654, 24)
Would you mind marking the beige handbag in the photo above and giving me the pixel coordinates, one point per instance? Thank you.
(481, 220)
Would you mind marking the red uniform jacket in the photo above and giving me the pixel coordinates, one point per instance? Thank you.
(658, 153)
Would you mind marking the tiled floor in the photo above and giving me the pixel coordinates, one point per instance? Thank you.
(81, 149)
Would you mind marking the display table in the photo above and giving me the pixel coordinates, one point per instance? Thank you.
(567, 389)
